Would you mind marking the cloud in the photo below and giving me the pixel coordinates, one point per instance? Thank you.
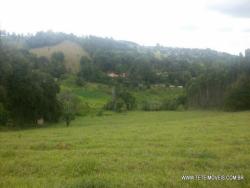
(189, 28)
(235, 8)
(225, 29)
(246, 30)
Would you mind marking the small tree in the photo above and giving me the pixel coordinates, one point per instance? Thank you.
(121, 100)
(70, 105)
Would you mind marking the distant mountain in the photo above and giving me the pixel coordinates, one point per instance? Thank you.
(45, 43)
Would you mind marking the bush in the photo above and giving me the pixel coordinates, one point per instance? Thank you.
(178, 103)
(169, 105)
(151, 105)
(122, 101)
(80, 81)
(70, 104)
(118, 105)
(128, 99)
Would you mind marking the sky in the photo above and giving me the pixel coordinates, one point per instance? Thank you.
(223, 25)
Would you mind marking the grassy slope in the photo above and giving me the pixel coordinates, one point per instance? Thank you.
(72, 51)
(97, 95)
(136, 149)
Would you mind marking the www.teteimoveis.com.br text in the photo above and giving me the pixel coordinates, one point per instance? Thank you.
(213, 177)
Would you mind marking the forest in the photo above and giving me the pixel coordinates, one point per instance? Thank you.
(30, 85)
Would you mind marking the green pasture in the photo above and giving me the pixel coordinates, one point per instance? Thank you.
(134, 149)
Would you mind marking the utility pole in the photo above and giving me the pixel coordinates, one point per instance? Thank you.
(114, 97)
(113, 93)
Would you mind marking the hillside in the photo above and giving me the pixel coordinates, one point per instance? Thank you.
(209, 77)
(72, 51)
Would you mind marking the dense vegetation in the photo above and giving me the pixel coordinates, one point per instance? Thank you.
(27, 92)
(30, 85)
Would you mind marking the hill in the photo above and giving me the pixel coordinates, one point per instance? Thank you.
(210, 77)
(72, 51)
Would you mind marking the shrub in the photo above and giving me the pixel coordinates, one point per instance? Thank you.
(151, 105)
(120, 105)
(70, 105)
(80, 81)
(122, 101)
(117, 105)
(169, 105)
(128, 99)
(175, 103)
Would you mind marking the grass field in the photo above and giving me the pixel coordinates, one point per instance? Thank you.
(135, 149)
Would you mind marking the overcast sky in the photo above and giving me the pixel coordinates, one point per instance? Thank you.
(223, 25)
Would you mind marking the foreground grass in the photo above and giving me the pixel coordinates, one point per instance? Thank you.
(137, 149)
